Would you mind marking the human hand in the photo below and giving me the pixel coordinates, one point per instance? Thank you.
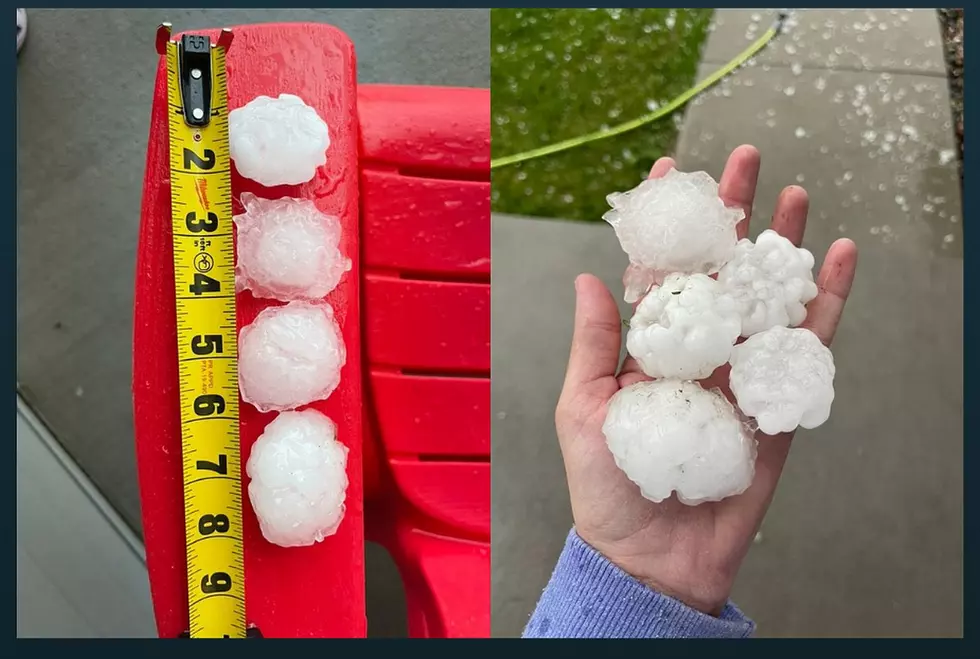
(691, 553)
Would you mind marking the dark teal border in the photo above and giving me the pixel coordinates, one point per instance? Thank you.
(971, 366)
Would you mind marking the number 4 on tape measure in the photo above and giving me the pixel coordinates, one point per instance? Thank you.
(204, 273)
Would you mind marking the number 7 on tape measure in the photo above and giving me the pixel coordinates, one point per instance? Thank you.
(204, 274)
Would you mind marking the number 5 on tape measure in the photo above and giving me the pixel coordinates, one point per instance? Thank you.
(200, 179)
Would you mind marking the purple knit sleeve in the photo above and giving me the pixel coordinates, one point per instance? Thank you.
(589, 597)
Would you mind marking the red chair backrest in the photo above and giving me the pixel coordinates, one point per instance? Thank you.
(425, 217)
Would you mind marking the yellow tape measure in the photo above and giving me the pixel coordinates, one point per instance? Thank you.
(204, 269)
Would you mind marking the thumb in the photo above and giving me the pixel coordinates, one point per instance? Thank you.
(597, 334)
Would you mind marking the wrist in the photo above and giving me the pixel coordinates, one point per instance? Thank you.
(588, 596)
(690, 582)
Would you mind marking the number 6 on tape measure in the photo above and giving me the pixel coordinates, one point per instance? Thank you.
(204, 273)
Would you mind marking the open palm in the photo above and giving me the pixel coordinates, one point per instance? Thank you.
(691, 553)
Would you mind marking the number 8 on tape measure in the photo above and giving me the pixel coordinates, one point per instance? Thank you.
(204, 273)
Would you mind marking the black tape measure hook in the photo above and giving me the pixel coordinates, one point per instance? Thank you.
(194, 71)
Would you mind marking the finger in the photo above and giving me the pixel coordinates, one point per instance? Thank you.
(596, 335)
(630, 365)
(834, 285)
(738, 183)
(661, 167)
(789, 218)
(823, 315)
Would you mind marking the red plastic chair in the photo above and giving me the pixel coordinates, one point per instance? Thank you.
(408, 174)
(426, 232)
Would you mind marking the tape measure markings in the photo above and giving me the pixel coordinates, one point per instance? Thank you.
(200, 175)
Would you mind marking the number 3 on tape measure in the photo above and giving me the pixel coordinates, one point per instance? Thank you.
(204, 274)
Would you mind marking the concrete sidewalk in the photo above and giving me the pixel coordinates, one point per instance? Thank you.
(865, 535)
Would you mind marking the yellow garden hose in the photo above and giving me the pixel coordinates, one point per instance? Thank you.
(659, 113)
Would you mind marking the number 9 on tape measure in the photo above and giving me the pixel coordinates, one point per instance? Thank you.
(204, 274)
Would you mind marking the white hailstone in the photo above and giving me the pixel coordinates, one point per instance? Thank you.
(673, 224)
(287, 249)
(783, 378)
(290, 356)
(298, 473)
(277, 141)
(684, 328)
(771, 280)
(674, 436)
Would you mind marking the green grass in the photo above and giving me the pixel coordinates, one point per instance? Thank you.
(561, 73)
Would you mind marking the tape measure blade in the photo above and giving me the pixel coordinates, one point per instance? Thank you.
(204, 274)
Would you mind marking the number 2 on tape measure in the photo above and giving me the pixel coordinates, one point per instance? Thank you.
(200, 178)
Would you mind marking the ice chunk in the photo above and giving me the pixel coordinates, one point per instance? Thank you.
(684, 328)
(784, 378)
(277, 141)
(298, 473)
(771, 280)
(287, 249)
(674, 436)
(673, 224)
(290, 356)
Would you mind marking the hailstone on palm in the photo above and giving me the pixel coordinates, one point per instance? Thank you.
(771, 280)
(670, 436)
(673, 436)
(277, 141)
(685, 328)
(673, 224)
(287, 249)
(298, 473)
(783, 378)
